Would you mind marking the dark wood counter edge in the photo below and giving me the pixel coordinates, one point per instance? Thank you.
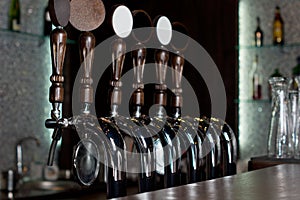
(276, 182)
(260, 162)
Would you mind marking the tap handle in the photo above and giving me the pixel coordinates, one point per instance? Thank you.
(58, 48)
(122, 22)
(141, 19)
(164, 35)
(139, 59)
(179, 44)
(177, 62)
(51, 123)
(118, 50)
(161, 60)
(60, 14)
(87, 45)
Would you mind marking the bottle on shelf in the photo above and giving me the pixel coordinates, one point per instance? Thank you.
(47, 21)
(14, 16)
(278, 28)
(256, 80)
(258, 34)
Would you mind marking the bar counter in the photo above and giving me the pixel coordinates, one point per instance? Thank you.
(277, 182)
(271, 183)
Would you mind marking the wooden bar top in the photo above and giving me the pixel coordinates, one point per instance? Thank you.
(272, 183)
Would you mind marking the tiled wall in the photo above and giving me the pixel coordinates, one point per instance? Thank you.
(254, 116)
(24, 84)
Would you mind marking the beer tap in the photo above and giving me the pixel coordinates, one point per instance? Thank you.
(189, 139)
(86, 155)
(167, 135)
(142, 134)
(93, 146)
(116, 175)
(58, 40)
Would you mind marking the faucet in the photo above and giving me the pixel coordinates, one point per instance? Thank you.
(19, 153)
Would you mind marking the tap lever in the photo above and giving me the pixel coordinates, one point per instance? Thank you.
(51, 123)
(122, 22)
(58, 48)
(141, 19)
(139, 59)
(61, 123)
(118, 50)
(161, 60)
(87, 45)
(177, 63)
(164, 35)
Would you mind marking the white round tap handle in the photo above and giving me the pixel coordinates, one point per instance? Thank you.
(122, 21)
(164, 30)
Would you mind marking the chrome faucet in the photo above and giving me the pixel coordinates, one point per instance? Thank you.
(19, 153)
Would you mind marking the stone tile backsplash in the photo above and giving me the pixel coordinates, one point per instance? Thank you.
(24, 84)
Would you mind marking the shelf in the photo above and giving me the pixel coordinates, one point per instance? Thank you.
(29, 37)
(269, 46)
(16, 33)
(252, 101)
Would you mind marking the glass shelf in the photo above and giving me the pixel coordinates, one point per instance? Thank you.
(27, 37)
(16, 33)
(252, 101)
(269, 46)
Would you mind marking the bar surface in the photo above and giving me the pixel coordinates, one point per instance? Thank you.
(277, 182)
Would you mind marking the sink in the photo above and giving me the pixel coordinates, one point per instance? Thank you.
(40, 189)
(58, 186)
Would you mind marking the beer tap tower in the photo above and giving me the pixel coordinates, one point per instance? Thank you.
(104, 135)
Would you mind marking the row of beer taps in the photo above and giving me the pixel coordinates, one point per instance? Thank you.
(157, 145)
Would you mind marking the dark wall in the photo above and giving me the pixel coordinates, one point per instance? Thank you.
(213, 24)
